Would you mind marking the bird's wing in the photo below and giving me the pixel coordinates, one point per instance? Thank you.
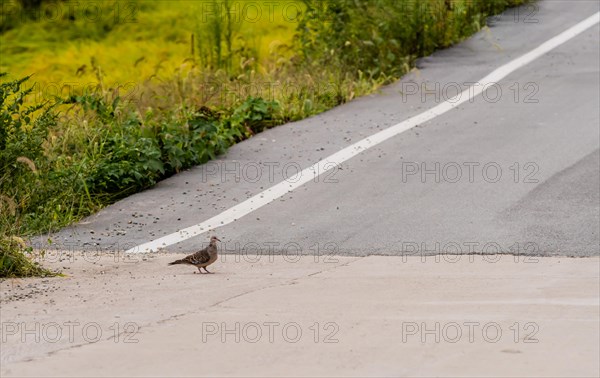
(200, 257)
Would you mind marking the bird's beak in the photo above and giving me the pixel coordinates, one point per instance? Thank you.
(217, 238)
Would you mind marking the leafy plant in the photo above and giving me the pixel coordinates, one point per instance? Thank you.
(384, 37)
(23, 132)
(254, 116)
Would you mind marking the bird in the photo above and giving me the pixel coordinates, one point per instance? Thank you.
(202, 258)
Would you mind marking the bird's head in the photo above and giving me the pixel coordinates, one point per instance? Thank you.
(214, 239)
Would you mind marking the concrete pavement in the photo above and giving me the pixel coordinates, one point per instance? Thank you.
(274, 316)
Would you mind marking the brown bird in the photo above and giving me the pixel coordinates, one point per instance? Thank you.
(202, 258)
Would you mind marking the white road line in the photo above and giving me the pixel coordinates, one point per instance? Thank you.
(286, 186)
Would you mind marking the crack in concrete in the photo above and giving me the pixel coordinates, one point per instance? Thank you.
(290, 282)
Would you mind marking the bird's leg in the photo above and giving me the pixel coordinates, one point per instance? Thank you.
(199, 270)
(207, 271)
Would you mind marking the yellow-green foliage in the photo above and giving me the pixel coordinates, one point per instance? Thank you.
(122, 43)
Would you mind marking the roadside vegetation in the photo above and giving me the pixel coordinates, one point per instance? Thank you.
(105, 98)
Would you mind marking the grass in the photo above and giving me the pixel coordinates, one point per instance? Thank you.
(16, 260)
(150, 88)
(136, 42)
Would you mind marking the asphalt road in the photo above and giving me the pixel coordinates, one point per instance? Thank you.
(516, 170)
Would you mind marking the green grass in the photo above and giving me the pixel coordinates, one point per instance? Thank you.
(16, 260)
(113, 107)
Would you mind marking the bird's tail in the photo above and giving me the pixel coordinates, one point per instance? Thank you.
(176, 262)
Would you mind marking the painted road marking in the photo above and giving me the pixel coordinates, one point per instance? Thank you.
(301, 178)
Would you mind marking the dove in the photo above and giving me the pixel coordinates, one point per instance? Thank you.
(202, 258)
